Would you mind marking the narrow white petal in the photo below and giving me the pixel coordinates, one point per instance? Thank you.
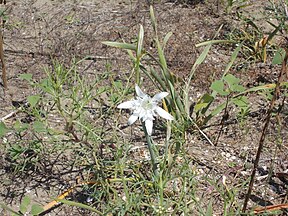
(139, 92)
(132, 119)
(160, 96)
(161, 112)
(147, 116)
(126, 105)
(149, 126)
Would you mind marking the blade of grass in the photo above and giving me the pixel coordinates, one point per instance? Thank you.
(153, 20)
(120, 45)
(232, 60)
(139, 54)
(166, 38)
(198, 61)
(205, 43)
(80, 205)
(140, 42)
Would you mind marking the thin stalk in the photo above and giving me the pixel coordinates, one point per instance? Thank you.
(263, 135)
(224, 117)
(4, 74)
(152, 151)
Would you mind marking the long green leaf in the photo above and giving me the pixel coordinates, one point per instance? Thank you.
(80, 205)
(152, 15)
(262, 87)
(166, 38)
(199, 60)
(158, 78)
(162, 59)
(209, 211)
(272, 34)
(120, 45)
(140, 42)
(205, 43)
(232, 59)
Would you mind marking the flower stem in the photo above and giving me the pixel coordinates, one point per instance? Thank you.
(152, 150)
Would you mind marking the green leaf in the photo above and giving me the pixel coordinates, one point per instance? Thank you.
(101, 89)
(172, 90)
(231, 80)
(272, 34)
(36, 209)
(166, 38)
(233, 83)
(153, 20)
(262, 87)
(24, 204)
(202, 57)
(278, 57)
(46, 86)
(218, 86)
(163, 62)
(213, 42)
(120, 45)
(237, 88)
(232, 59)
(198, 61)
(27, 77)
(33, 100)
(209, 211)
(118, 84)
(155, 75)
(19, 126)
(241, 101)
(80, 205)
(140, 42)
(205, 100)
(200, 106)
(3, 129)
(39, 127)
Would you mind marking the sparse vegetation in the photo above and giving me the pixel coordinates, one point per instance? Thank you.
(219, 148)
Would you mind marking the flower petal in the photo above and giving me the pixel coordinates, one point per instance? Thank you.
(149, 126)
(132, 119)
(139, 92)
(161, 112)
(160, 96)
(127, 105)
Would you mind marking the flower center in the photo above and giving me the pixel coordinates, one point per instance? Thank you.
(147, 104)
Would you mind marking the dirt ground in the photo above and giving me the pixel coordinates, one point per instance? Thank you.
(38, 31)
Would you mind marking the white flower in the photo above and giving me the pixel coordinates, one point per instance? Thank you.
(145, 108)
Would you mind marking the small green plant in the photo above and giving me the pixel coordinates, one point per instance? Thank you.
(231, 4)
(69, 94)
(26, 208)
(24, 157)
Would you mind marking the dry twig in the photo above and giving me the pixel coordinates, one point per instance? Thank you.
(263, 134)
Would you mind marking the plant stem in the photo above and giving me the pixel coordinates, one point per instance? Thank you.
(152, 150)
(264, 130)
(4, 75)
